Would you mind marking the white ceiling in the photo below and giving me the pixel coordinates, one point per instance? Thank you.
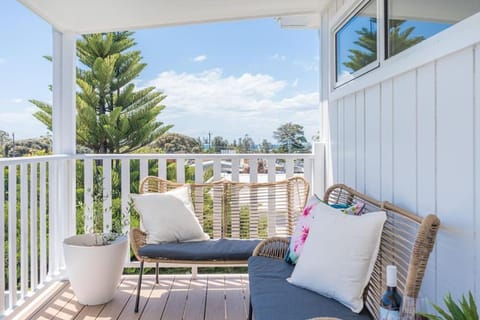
(90, 16)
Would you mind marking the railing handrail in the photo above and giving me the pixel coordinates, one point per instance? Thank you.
(192, 155)
(37, 159)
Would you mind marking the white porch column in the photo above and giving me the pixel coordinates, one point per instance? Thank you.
(325, 66)
(319, 172)
(62, 188)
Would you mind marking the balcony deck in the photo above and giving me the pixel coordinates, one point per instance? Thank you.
(213, 296)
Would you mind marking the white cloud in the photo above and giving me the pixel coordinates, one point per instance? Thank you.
(278, 57)
(295, 83)
(231, 106)
(200, 58)
(16, 100)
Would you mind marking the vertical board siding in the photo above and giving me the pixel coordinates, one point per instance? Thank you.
(341, 140)
(477, 169)
(360, 136)
(349, 141)
(387, 127)
(455, 183)
(333, 158)
(426, 161)
(404, 141)
(416, 142)
(372, 141)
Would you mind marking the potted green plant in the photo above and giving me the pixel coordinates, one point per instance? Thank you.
(464, 309)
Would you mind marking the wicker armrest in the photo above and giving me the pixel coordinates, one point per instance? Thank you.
(275, 247)
(138, 239)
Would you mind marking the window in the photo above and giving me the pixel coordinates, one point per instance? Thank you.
(412, 21)
(404, 23)
(356, 43)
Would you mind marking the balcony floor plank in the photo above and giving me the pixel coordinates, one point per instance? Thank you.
(212, 296)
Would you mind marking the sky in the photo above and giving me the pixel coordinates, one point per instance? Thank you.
(229, 78)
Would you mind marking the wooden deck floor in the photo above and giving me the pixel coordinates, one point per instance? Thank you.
(175, 297)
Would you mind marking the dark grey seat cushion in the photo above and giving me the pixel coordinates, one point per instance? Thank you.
(274, 298)
(214, 250)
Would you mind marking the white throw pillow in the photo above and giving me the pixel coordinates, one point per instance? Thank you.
(169, 216)
(339, 255)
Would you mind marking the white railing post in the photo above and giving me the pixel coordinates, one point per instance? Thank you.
(64, 141)
(318, 181)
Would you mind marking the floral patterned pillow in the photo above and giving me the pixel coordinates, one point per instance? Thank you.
(304, 222)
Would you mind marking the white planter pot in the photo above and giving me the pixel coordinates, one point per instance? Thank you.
(94, 271)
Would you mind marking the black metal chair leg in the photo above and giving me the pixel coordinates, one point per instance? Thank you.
(139, 286)
(250, 312)
(156, 273)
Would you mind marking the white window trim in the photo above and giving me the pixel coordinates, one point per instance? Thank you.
(461, 35)
(343, 18)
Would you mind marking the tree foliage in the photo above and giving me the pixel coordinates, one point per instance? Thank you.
(177, 143)
(291, 138)
(112, 116)
(398, 40)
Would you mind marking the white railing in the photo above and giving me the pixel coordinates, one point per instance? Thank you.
(25, 204)
(114, 177)
(40, 212)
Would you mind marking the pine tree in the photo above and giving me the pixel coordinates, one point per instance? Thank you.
(398, 41)
(291, 138)
(112, 116)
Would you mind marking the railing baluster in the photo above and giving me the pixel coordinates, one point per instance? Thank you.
(180, 170)
(23, 230)
(198, 196)
(125, 174)
(2, 237)
(288, 167)
(272, 217)
(162, 168)
(107, 195)
(217, 169)
(43, 222)
(253, 162)
(308, 170)
(33, 226)
(88, 194)
(51, 219)
(236, 169)
(143, 168)
(12, 235)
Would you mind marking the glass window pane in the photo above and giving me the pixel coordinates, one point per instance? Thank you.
(412, 21)
(356, 43)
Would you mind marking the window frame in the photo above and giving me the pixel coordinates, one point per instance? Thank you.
(341, 22)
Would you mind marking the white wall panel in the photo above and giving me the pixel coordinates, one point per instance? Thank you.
(386, 137)
(477, 169)
(372, 141)
(455, 182)
(341, 140)
(415, 139)
(426, 161)
(333, 120)
(404, 141)
(349, 140)
(360, 128)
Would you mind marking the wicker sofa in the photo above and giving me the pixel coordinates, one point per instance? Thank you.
(407, 241)
(236, 215)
